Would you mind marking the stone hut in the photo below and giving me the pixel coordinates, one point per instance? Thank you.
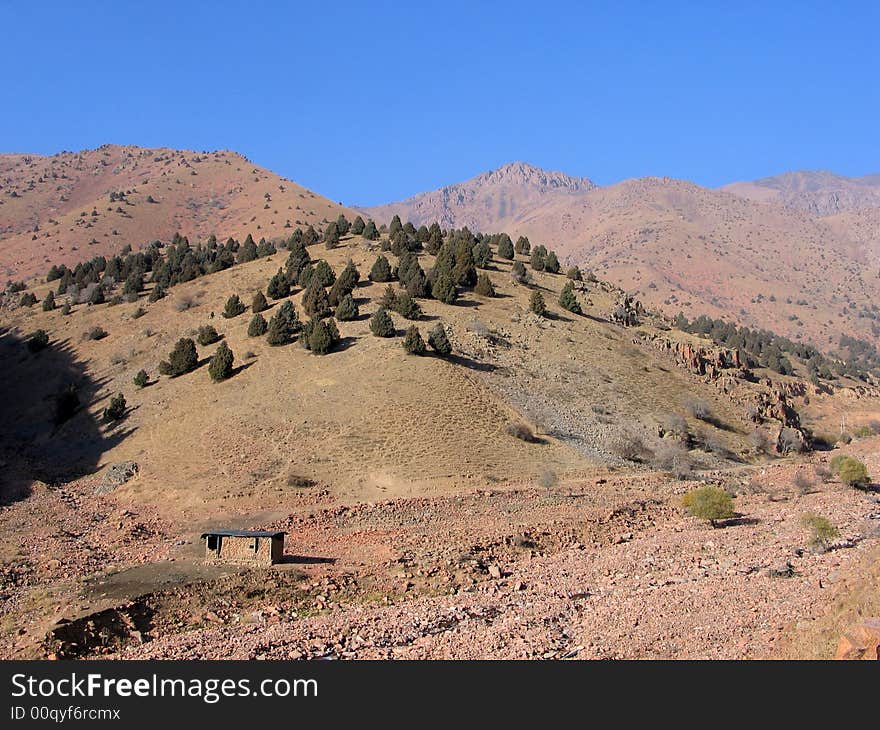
(242, 546)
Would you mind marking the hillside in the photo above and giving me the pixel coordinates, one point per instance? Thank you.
(58, 209)
(818, 192)
(398, 477)
(687, 248)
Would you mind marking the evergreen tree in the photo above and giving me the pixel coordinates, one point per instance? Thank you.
(464, 272)
(141, 379)
(345, 284)
(482, 254)
(207, 335)
(29, 300)
(413, 342)
(96, 297)
(265, 248)
(523, 246)
(315, 301)
(342, 225)
(277, 333)
(234, 307)
(406, 306)
(183, 358)
(220, 367)
(438, 340)
(537, 304)
(381, 270)
(370, 231)
(157, 293)
(484, 286)
(331, 236)
(324, 273)
(381, 323)
(444, 289)
(297, 260)
(257, 326)
(347, 309)
(551, 263)
(322, 336)
(116, 410)
(505, 247)
(279, 286)
(538, 258)
(49, 302)
(39, 340)
(394, 227)
(259, 303)
(574, 273)
(568, 300)
(358, 226)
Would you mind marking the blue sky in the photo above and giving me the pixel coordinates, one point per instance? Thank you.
(373, 102)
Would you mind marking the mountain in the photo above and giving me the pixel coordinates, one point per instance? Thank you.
(65, 208)
(819, 192)
(488, 201)
(683, 247)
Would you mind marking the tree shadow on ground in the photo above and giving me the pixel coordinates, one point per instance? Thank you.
(37, 441)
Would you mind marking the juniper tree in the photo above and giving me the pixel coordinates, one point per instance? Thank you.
(522, 246)
(381, 270)
(220, 367)
(305, 276)
(518, 273)
(324, 273)
(38, 340)
(538, 258)
(342, 225)
(27, 300)
(234, 307)
(347, 309)
(551, 263)
(207, 335)
(116, 410)
(381, 323)
(278, 333)
(157, 293)
(413, 342)
(371, 233)
(183, 358)
(257, 326)
(141, 379)
(321, 336)
(444, 289)
(259, 303)
(464, 272)
(568, 300)
(331, 236)
(315, 301)
(537, 304)
(65, 310)
(505, 247)
(345, 283)
(297, 260)
(438, 340)
(357, 227)
(482, 254)
(406, 306)
(484, 286)
(395, 226)
(279, 286)
(265, 248)
(96, 297)
(49, 302)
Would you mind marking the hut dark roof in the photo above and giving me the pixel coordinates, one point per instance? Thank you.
(242, 533)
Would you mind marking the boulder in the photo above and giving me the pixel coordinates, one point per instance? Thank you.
(861, 641)
(117, 475)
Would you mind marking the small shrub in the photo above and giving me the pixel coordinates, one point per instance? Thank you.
(185, 302)
(27, 300)
(207, 335)
(853, 473)
(234, 307)
(823, 473)
(38, 340)
(709, 503)
(220, 367)
(141, 379)
(803, 482)
(413, 342)
(698, 409)
(49, 302)
(257, 326)
(519, 274)
(520, 431)
(117, 408)
(629, 446)
(822, 531)
(675, 460)
(65, 310)
(381, 324)
(537, 304)
(138, 313)
(676, 426)
(96, 333)
(157, 294)
(484, 286)
(574, 273)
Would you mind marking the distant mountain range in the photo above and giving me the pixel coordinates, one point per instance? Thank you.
(798, 253)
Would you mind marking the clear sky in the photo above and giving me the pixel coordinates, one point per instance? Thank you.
(375, 101)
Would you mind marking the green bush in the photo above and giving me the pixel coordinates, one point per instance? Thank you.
(141, 379)
(853, 472)
(233, 307)
(537, 304)
(822, 531)
(484, 286)
(574, 273)
(116, 410)
(96, 333)
(413, 342)
(709, 503)
(257, 326)
(347, 309)
(381, 324)
(220, 367)
(207, 335)
(568, 299)
(183, 359)
(27, 300)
